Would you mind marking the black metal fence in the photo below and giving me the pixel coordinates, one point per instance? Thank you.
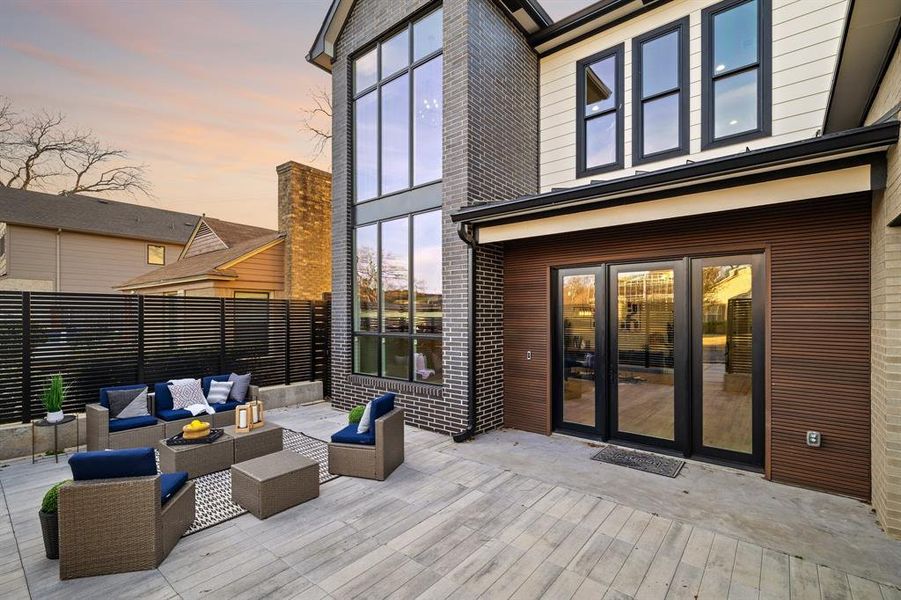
(97, 340)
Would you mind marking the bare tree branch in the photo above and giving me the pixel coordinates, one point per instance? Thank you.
(316, 121)
(40, 147)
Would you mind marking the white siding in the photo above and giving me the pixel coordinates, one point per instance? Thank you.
(806, 38)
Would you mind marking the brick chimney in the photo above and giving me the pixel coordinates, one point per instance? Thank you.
(305, 216)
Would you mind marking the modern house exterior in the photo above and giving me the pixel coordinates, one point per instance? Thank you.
(664, 224)
(222, 259)
(83, 244)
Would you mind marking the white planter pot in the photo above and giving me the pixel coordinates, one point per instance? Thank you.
(55, 417)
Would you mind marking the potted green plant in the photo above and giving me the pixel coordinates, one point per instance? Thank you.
(49, 520)
(355, 414)
(53, 397)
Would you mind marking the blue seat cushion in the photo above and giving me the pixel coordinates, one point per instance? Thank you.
(349, 435)
(131, 423)
(104, 398)
(226, 406)
(111, 464)
(205, 382)
(170, 483)
(174, 415)
(162, 398)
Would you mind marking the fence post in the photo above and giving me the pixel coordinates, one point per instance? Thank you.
(26, 357)
(287, 342)
(314, 339)
(140, 378)
(222, 335)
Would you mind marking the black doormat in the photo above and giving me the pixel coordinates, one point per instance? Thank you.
(640, 461)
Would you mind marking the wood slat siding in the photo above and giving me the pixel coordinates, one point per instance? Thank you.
(819, 313)
(205, 241)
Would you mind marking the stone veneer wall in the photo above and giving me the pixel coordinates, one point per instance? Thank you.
(490, 153)
(305, 215)
(885, 371)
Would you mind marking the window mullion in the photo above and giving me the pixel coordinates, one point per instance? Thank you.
(736, 71)
(663, 94)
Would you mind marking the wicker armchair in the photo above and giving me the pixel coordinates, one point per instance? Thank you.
(140, 432)
(371, 460)
(120, 524)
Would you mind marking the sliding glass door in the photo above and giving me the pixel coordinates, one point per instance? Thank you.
(668, 354)
(647, 341)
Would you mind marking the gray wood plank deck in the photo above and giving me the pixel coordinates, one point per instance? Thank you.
(440, 527)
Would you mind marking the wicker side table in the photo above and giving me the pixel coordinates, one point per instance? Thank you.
(272, 483)
(257, 442)
(197, 459)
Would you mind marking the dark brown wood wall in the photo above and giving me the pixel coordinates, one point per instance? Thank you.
(818, 320)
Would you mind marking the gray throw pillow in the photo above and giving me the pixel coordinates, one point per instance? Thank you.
(240, 385)
(124, 404)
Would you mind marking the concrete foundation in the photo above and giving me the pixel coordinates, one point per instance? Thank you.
(15, 438)
(293, 394)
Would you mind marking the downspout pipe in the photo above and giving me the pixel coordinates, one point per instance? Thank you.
(466, 234)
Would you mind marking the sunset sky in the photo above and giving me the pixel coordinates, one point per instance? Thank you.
(208, 94)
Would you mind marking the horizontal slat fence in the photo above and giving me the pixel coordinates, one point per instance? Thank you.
(98, 340)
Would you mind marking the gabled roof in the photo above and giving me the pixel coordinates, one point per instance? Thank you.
(211, 265)
(100, 216)
(528, 15)
(233, 233)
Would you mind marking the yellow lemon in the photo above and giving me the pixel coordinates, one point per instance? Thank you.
(196, 423)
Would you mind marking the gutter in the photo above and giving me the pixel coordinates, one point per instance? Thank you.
(59, 233)
(468, 238)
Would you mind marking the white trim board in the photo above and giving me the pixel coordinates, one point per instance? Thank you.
(791, 189)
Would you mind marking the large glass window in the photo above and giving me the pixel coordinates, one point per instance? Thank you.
(659, 94)
(397, 298)
(600, 112)
(736, 69)
(398, 111)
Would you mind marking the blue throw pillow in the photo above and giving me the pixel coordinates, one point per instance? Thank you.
(111, 464)
(381, 406)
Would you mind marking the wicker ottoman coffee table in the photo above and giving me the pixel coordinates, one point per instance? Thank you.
(272, 483)
(258, 442)
(198, 459)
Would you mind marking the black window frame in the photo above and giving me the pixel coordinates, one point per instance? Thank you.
(582, 170)
(377, 88)
(763, 66)
(412, 335)
(682, 88)
(163, 247)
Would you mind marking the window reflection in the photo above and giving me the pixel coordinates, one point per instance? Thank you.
(395, 135)
(367, 272)
(735, 37)
(366, 70)
(366, 147)
(427, 271)
(660, 64)
(366, 355)
(600, 86)
(579, 355)
(600, 141)
(395, 276)
(601, 111)
(396, 357)
(427, 35)
(660, 129)
(726, 321)
(428, 361)
(735, 99)
(395, 53)
(427, 121)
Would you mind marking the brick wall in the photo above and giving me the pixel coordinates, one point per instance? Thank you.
(305, 215)
(885, 371)
(490, 153)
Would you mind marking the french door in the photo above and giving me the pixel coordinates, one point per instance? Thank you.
(666, 354)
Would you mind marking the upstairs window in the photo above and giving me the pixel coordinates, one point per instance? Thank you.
(156, 255)
(599, 112)
(735, 91)
(397, 111)
(660, 93)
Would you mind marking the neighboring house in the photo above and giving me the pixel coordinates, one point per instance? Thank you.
(221, 259)
(229, 260)
(653, 223)
(82, 243)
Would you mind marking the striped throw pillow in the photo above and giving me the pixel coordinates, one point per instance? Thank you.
(219, 391)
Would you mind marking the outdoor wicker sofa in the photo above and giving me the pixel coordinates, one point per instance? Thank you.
(163, 421)
(374, 454)
(174, 420)
(119, 515)
(134, 432)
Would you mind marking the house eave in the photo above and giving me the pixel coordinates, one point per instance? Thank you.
(834, 147)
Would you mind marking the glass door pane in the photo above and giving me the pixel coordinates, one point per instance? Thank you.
(577, 306)
(643, 325)
(727, 356)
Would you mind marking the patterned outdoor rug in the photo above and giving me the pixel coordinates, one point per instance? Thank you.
(640, 461)
(213, 492)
